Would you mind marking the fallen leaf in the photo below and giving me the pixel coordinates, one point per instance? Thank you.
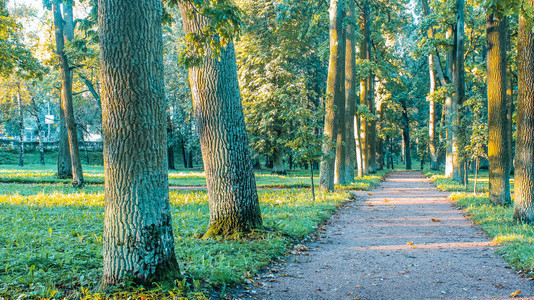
(514, 294)
(319, 289)
(370, 194)
(386, 200)
(370, 204)
(435, 220)
(405, 218)
(410, 243)
(349, 294)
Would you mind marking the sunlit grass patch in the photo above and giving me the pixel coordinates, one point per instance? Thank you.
(516, 240)
(447, 184)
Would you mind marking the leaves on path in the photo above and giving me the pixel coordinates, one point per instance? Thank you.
(435, 220)
(515, 294)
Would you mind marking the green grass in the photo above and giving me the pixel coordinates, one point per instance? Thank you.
(515, 239)
(51, 237)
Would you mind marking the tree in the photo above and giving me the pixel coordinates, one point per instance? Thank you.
(334, 95)
(524, 158)
(233, 199)
(350, 94)
(64, 30)
(138, 239)
(499, 174)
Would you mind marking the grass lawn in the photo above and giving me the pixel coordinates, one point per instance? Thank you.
(515, 239)
(51, 236)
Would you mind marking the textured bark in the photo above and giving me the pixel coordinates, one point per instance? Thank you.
(138, 239)
(524, 153)
(64, 30)
(459, 87)
(366, 94)
(333, 94)
(233, 199)
(451, 111)
(499, 173)
(278, 161)
(341, 140)
(64, 166)
(509, 105)
(21, 129)
(350, 92)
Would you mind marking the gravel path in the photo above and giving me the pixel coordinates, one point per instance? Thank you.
(404, 240)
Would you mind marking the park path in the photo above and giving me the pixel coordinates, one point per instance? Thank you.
(404, 240)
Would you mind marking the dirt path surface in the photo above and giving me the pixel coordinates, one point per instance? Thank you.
(404, 240)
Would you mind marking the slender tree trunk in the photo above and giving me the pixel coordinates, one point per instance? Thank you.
(451, 111)
(499, 172)
(477, 166)
(64, 29)
(509, 106)
(233, 199)
(170, 157)
(350, 92)
(138, 238)
(432, 140)
(406, 137)
(41, 146)
(312, 183)
(21, 129)
(333, 95)
(372, 135)
(358, 140)
(524, 158)
(184, 155)
(366, 92)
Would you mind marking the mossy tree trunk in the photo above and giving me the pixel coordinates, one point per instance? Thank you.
(64, 30)
(499, 173)
(138, 239)
(334, 92)
(350, 92)
(524, 153)
(233, 199)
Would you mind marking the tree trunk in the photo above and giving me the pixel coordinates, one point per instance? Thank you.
(432, 140)
(510, 108)
(64, 29)
(41, 147)
(233, 199)
(170, 157)
(477, 166)
(459, 86)
(184, 154)
(333, 95)
(499, 172)
(366, 91)
(524, 158)
(451, 111)
(278, 161)
(138, 238)
(358, 140)
(406, 136)
(350, 92)
(341, 104)
(64, 166)
(21, 128)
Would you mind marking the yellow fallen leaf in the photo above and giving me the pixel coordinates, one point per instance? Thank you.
(370, 194)
(435, 220)
(386, 200)
(514, 294)
(410, 243)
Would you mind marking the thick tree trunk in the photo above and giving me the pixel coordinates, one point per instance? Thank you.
(138, 239)
(350, 92)
(64, 166)
(64, 29)
(524, 158)
(278, 161)
(233, 199)
(333, 95)
(341, 144)
(459, 86)
(509, 106)
(499, 172)
(21, 129)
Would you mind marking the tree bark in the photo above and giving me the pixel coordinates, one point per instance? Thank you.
(524, 158)
(233, 199)
(278, 161)
(64, 166)
(406, 136)
(459, 86)
(341, 104)
(366, 92)
(499, 172)
(432, 138)
(333, 95)
(451, 111)
(21, 128)
(350, 92)
(138, 238)
(64, 29)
